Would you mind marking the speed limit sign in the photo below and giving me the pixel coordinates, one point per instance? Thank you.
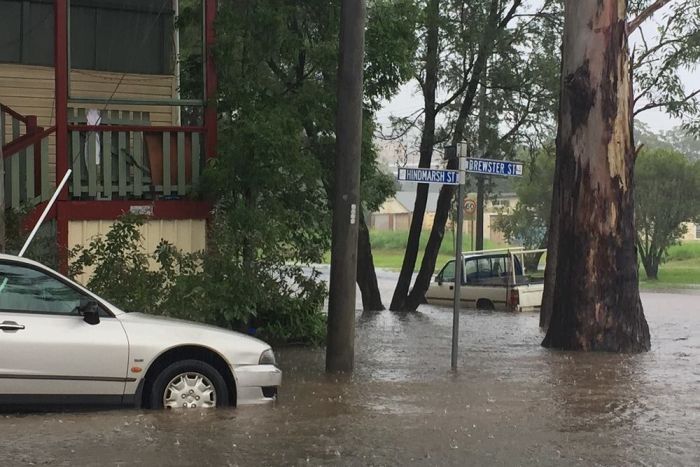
(469, 206)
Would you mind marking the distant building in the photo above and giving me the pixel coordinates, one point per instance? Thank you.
(693, 232)
(392, 215)
(396, 213)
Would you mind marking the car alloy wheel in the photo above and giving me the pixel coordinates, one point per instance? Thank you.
(189, 390)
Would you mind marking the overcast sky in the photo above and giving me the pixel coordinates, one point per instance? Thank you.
(409, 98)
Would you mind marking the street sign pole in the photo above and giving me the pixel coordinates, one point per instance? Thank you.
(461, 153)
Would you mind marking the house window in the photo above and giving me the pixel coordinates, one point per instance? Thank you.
(125, 36)
(697, 231)
(501, 203)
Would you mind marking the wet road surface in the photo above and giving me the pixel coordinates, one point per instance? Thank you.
(511, 403)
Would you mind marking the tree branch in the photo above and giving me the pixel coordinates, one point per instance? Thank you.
(416, 115)
(466, 71)
(513, 9)
(656, 105)
(644, 15)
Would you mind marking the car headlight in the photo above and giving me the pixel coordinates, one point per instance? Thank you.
(267, 358)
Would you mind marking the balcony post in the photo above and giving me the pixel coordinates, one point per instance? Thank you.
(210, 118)
(61, 93)
(61, 90)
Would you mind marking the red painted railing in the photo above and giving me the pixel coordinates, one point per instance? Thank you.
(126, 161)
(14, 125)
(26, 160)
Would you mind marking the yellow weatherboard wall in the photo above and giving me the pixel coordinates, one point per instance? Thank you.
(187, 235)
(29, 90)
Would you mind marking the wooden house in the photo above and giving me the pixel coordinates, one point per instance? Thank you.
(93, 86)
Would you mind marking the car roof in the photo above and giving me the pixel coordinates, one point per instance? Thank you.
(21, 259)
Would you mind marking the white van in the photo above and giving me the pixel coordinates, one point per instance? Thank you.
(491, 280)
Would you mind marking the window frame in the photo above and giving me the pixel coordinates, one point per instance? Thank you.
(104, 311)
(441, 276)
(166, 54)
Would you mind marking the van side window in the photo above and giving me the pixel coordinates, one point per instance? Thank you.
(448, 273)
(470, 271)
(484, 266)
(498, 266)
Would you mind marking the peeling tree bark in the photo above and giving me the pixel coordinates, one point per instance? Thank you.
(596, 304)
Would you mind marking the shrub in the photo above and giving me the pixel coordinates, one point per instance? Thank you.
(280, 304)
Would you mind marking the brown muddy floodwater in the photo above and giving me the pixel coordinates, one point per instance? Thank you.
(511, 403)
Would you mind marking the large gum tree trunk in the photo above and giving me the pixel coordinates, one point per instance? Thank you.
(596, 304)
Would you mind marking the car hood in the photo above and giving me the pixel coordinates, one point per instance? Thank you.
(147, 331)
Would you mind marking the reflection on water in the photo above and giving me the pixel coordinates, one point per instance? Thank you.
(512, 402)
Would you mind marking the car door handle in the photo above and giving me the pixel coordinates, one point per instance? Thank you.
(11, 326)
(452, 287)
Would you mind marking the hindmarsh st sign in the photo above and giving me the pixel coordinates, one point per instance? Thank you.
(442, 177)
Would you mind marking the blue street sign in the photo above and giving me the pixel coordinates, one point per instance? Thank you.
(443, 177)
(492, 167)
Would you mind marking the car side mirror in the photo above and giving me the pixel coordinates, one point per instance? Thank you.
(90, 312)
(438, 279)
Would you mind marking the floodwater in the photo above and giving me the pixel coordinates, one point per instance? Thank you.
(511, 403)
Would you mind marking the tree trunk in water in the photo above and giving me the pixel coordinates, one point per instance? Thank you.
(596, 304)
(366, 275)
(425, 274)
(398, 301)
(550, 270)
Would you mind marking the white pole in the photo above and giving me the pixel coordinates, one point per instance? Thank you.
(45, 213)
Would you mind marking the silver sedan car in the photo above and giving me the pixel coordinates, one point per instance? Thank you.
(62, 345)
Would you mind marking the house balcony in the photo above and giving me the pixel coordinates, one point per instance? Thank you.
(124, 157)
(93, 91)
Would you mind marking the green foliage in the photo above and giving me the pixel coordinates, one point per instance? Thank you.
(661, 58)
(219, 287)
(390, 47)
(43, 247)
(387, 240)
(678, 139)
(529, 221)
(120, 269)
(684, 251)
(388, 248)
(667, 194)
(272, 182)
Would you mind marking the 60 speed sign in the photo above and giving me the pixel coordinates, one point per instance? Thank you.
(469, 206)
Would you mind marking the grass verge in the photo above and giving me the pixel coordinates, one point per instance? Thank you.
(681, 269)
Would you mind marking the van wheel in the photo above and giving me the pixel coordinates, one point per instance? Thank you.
(189, 384)
(483, 304)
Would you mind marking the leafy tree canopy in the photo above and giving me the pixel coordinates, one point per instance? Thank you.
(529, 221)
(667, 195)
(272, 182)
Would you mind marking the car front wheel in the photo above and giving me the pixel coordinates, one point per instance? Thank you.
(189, 384)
